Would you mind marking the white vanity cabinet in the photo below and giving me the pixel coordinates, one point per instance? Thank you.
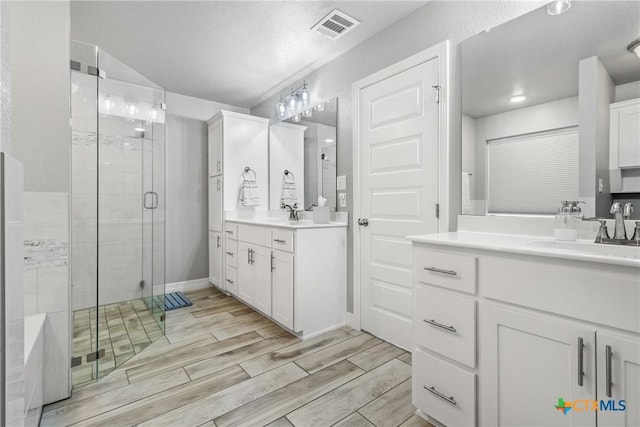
(544, 327)
(295, 275)
(625, 133)
(235, 141)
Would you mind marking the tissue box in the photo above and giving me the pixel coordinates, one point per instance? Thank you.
(321, 215)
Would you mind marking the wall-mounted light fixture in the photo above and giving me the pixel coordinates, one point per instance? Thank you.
(294, 104)
(558, 7)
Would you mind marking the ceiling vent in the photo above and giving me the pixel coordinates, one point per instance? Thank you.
(335, 25)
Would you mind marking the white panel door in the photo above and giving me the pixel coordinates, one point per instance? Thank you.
(216, 257)
(619, 365)
(398, 127)
(282, 282)
(530, 363)
(215, 203)
(261, 262)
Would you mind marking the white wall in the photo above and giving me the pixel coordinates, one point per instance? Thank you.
(431, 24)
(596, 93)
(187, 248)
(41, 137)
(538, 118)
(627, 91)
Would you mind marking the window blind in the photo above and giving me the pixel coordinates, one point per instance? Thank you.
(531, 174)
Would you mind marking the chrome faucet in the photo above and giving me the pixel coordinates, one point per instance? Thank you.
(616, 209)
(293, 213)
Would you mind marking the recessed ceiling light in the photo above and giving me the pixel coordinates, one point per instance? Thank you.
(558, 7)
(634, 47)
(517, 98)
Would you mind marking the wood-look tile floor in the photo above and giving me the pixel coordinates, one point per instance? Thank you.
(123, 330)
(223, 364)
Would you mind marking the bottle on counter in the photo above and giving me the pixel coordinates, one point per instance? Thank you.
(567, 219)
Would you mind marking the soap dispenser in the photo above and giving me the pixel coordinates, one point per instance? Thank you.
(567, 219)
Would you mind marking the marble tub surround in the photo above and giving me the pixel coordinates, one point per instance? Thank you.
(47, 285)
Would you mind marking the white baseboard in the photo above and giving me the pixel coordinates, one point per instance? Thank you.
(189, 285)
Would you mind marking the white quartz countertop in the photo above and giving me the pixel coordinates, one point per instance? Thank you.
(286, 224)
(582, 250)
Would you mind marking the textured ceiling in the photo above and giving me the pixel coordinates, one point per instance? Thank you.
(235, 52)
(537, 55)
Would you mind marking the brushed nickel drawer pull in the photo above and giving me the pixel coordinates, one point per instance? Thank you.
(441, 326)
(608, 381)
(439, 270)
(279, 241)
(229, 231)
(580, 361)
(230, 253)
(230, 281)
(450, 399)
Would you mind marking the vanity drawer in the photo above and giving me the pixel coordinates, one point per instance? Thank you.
(231, 280)
(282, 239)
(446, 324)
(231, 230)
(457, 272)
(231, 253)
(254, 234)
(443, 391)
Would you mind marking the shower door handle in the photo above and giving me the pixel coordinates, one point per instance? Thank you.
(148, 200)
(151, 200)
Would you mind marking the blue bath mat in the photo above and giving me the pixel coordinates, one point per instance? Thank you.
(176, 300)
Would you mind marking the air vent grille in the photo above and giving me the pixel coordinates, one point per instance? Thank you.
(335, 24)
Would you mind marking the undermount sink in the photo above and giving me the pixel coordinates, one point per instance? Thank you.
(588, 248)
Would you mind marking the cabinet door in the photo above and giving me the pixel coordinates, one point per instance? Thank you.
(619, 365)
(215, 149)
(246, 273)
(216, 257)
(262, 273)
(215, 203)
(530, 362)
(282, 283)
(628, 135)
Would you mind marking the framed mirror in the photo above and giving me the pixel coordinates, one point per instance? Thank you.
(302, 158)
(536, 99)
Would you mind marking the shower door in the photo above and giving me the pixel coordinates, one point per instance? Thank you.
(118, 159)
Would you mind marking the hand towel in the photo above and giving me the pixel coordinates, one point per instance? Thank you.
(289, 193)
(249, 193)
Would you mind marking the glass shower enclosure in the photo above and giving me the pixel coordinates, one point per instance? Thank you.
(118, 212)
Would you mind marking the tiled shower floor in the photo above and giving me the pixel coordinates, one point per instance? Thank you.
(122, 330)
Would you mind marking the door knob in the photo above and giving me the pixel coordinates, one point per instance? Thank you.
(363, 221)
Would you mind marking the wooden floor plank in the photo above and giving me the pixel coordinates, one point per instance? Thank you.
(216, 404)
(271, 331)
(191, 355)
(104, 402)
(110, 382)
(281, 402)
(376, 356)
(354, 420)
(293, 352)
(242, 328)
(406, 358)
(416, 421)
(323, 358)
(161, 403)
(237, 355)
(348, 398)
(392, 408)
(280, 422)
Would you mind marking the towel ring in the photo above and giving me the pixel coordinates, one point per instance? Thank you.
(287, 173)
(247, 169)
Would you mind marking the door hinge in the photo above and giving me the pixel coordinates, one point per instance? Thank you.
(75, 65)
(142, 284)
(95, 355)
(437, 88)
(76, 361)
(437, 210)
(162, 317)
(95, 71)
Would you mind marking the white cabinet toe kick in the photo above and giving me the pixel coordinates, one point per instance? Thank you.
(504, 339)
